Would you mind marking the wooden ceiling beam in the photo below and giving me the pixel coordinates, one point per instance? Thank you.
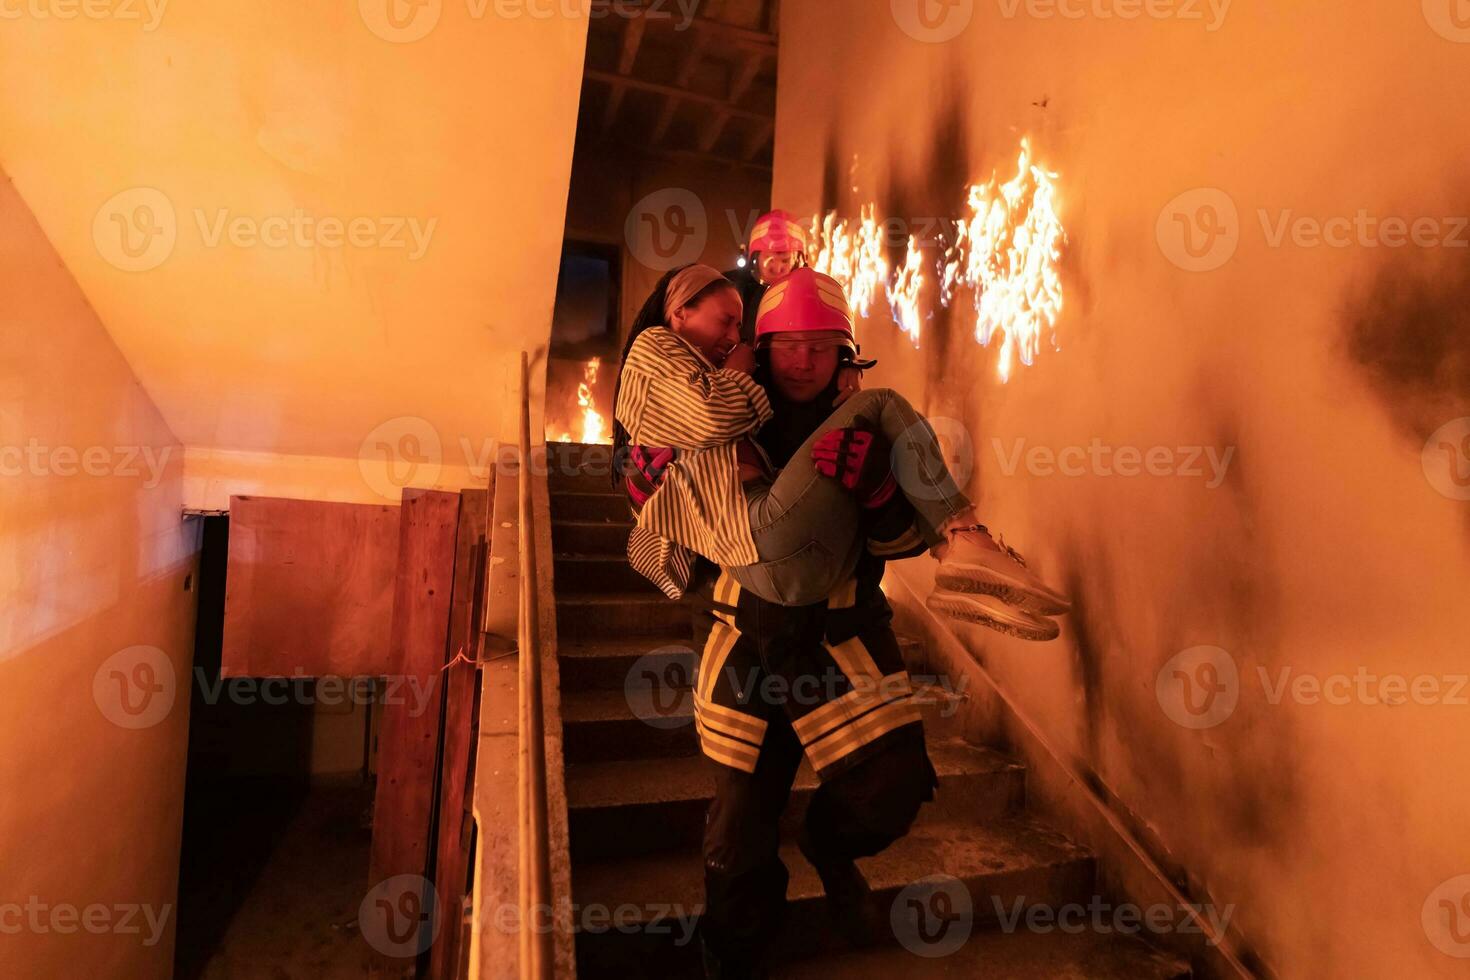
(627, 57)
(685, 95)
(632, 39)
(760, 135)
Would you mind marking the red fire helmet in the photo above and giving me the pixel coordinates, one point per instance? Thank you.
(777, 232)
(804, 300)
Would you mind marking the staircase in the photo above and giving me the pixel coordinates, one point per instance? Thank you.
(637, 792)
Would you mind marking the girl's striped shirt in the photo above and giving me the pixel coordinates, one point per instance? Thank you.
(671, 395)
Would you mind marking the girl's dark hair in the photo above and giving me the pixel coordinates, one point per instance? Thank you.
(651, 314)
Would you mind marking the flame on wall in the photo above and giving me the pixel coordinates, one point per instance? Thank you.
(593, 425)
(1006, 252)
(594, 429)
(853, 254)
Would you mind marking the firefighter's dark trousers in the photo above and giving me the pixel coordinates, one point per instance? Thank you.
(854, 813)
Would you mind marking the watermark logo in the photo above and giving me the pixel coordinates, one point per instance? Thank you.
(667, 229)
(933, 917)
(401, 452)
(147, 12)
(38, 459)
(1199, 230)
(660, 687)
(1446, 917)
(1363, 229)
(65, 919)
(1446, 459)
(1449, 18)
(1104, 918)
(933, 459)
(1096, 459)
(933, 21)
(135, 688)
(400, 21)
(397, 916)
(1199, 688)
(301, 229)
(135, 230)
(1211, 13)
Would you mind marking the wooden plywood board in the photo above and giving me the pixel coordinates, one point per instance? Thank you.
(461, 684)
(409, 738)
(309, 588)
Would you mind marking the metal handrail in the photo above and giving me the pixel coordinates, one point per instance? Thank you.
(537, 957)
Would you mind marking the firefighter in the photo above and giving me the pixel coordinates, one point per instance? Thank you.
(777, 247)
(778, 683)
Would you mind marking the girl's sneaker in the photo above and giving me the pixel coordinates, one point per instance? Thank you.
(991, 611)
(974, 562)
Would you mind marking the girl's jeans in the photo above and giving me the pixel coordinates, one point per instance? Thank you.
(808, 528)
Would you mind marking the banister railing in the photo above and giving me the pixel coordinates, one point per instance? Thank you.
(537, 949)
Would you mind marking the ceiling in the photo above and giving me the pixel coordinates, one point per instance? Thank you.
(698, 83)
(300, 221)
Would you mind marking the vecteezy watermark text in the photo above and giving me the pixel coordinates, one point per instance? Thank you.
(96, 918)
(38, 459)
(1211, 13)
(1099, 459)
(1105, 918)
(149, 13)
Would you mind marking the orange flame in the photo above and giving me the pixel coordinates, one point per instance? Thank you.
(851, 254)
(905, 293)
(1007, 252)
(593, 425)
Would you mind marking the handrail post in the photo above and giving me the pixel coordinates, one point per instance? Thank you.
(537, 958)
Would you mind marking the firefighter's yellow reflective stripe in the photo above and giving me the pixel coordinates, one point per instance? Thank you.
(728, 751)
(730, 721)
(855, 660)
(835, 714)
(868, 728)
(726, 758)
(717, 649)
(845, 596)
(907, 541)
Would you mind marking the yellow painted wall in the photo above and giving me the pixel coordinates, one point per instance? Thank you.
(1336, 541)
(96, 634)
(319, 232)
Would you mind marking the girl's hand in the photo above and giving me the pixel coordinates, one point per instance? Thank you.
(741, 358)
(849, 383)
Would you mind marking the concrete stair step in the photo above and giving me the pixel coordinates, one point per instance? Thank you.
(1014, 955)
(607, 663)
(591, 537)
(597, 505)
(598, 615)
(601, 726)
(577, 467)
(578, 574)
(643, 806)
(658, 897)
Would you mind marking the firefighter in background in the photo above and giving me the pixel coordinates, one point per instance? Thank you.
(778, 248)
(778, 683)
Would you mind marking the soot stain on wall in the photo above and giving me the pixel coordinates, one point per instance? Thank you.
(927, 204)
(1408, 332)
(1249, 601)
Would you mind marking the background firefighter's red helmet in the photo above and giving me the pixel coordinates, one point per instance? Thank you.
(778, 231)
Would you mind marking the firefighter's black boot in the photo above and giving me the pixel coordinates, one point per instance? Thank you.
(848, 896)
